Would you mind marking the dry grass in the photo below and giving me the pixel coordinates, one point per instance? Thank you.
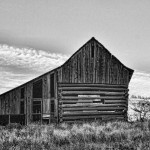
(90, 136)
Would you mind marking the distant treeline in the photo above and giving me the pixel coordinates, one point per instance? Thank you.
(139, 97)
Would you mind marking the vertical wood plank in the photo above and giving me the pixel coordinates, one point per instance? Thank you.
(91, 58)
(48, 91)
(100, 66)
(55, 100)
(89, 73)
(0, 106)
(104, 66)
(56, 97)
(25, 103)
(94, 64)
(6, 103)
(97, 63)
(18, 101)
(83, 67)
(86, 65)
(29, 102)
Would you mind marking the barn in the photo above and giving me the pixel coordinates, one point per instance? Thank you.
(91, 84)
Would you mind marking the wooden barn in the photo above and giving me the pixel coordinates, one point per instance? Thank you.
(91, 84)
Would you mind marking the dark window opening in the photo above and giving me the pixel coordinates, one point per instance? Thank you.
(22, 107)
(52, 106)
(22, 92)
(36, 118)
(52, 90)
(37, 89)
(92, 51)
(36, 107)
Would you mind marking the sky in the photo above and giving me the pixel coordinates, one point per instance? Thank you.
(39, 35)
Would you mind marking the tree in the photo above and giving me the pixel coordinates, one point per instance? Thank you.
(142, 108)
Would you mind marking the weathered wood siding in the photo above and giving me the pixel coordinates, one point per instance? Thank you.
(92, 101)
(103, 67)
(10, 103)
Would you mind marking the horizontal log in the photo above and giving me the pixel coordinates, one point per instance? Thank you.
(12, 114)
(102, 97)
(88, 113)
(89, 85)
(93, 109)
(91, 89)
(76, 119)
(76, 101)
(91, 93)
(115, 101)
(121, 117)
(90, 117)
(116, 118)
(94, 118)
(80, 101)
(90, 105)
(91, 101)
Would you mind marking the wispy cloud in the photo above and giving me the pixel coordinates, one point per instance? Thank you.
(140, 84)
(29, 58)
(18, 65)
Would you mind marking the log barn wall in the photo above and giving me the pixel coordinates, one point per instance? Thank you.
(92, 69)
(92, 101)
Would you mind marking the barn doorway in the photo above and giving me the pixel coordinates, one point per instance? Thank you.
(37, 100)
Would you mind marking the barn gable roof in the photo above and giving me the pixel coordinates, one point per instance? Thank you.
(94, 40)
(131, 71)
(89, 41)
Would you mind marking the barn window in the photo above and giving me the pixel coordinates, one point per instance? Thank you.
(22, 107)
(92, 51)
(22, 93)
(37, 89)
(52, 88)
(36, 107)
(52, 106)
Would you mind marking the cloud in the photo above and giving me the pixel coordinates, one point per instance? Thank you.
(140, 84)
(30, 58)
(19, 65)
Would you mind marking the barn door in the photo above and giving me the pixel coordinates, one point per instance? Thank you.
(79, 102)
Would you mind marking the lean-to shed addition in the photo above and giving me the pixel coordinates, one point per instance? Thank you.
(91, 84)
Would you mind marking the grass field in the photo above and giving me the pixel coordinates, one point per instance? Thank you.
(90, 136)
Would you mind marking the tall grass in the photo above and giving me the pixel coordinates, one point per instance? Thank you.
(90, 136)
